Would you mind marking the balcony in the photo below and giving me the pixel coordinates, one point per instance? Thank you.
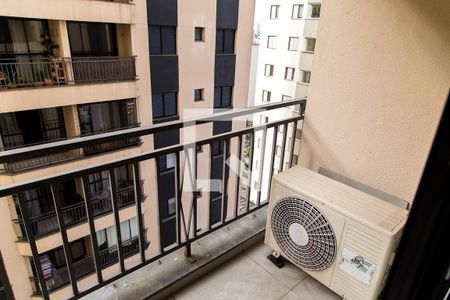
(101, 203)
(311, 28)
(65, 71)
(306, 60)
(239, 208)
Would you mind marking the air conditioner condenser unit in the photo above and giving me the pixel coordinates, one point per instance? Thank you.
(344, 238)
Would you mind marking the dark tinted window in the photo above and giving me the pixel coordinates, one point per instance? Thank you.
(225, 41)
(222, 96)
(92, 39)
(164, 105)
(162, 39)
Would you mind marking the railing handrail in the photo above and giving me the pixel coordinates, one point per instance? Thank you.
(61, 146)
(57, 59)
(29, 184)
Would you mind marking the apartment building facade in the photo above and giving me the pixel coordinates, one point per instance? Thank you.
(287, 43)
(91, 67)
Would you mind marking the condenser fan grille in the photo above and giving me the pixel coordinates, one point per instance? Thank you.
(303, 233)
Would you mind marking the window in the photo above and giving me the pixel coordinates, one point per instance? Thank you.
(264, 120)
(271, 42)
(297, 11)
(164, 105)
(31, 127)
(92, 39)
(315, 10)
(167, 162)
(171, 207)
(198, 94)
(129, 229)
(21, 37)
(293, 43)
(310, 44)
(278, 151)
(199, 34)
(306, 76)
(162, 39)
(222, 96)
(274, 11)
(266, 96)
(285, 97)
(268, 70)
(225, 41)
(289, 73)
(107, 115)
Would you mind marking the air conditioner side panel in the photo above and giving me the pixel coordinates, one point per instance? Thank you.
(336, 220)
(372, 246)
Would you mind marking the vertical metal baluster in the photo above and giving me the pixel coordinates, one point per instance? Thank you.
(283, 148)
(65, 240)
(138, 199)
(225, 180)
(294, 134)
(115, 207)
(261, 166)
(272, 159)
(195, 190)
(237, 190)
(92, 232)
(250, 169)
(161, 247)
(34, 252)
(179, 207)
(210, 175)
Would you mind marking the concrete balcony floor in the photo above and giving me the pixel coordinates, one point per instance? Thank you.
(251, 275)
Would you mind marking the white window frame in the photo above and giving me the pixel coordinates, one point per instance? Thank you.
(271, 42)
(289, 73)
(266, 95)
(297, 11)
(274, 12)
(268, 70)
(293, 44)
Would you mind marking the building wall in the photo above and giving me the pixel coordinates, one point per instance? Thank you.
(380, 77)
(195, 70)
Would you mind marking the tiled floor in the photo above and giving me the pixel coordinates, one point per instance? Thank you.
(252, 276)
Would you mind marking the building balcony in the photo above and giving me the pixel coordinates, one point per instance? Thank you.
(311, 28)
(236, 216)
(75, 214)
(306, 60)
(63, 71)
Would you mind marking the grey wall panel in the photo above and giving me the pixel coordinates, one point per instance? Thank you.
(164, 73)
(162, 12)
(166, 138)
(224, 70)
(227, 14)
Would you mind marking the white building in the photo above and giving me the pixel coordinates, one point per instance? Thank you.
(288, 38)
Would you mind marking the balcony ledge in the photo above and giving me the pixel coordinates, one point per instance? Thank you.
(162, 278)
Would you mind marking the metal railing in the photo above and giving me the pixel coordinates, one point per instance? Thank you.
(41, 161)
(110, 255)
(236, 202)
(60, 277)
(65, 156)
(74, 214)
(57, 71)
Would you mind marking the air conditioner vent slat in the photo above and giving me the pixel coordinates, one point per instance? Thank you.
(303, 233)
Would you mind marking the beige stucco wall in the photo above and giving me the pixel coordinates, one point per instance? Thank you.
(380, 77)
(80, 10)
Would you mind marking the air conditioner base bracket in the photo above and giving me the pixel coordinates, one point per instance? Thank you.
(276, 259)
